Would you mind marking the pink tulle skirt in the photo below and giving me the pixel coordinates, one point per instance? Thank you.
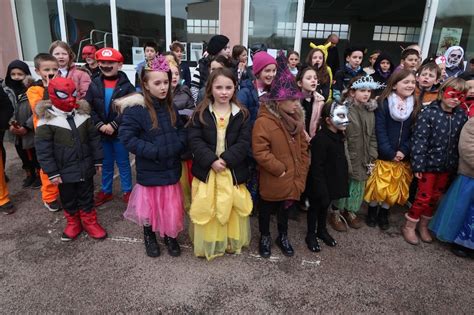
(159, 206)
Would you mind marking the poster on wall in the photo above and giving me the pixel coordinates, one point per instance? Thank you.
(138, 55)
(449, 37)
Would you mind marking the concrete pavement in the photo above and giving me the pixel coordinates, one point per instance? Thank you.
(369, 271)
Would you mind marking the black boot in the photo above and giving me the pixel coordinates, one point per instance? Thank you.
(312, 242)
(371, 219)
(264, 247)
(382, 219)
(321, 231)
(173, 246)
(325, 237)
(459, 250)
(151, 245)
(284, 243)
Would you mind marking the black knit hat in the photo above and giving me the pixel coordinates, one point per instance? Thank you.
(351, 49)
(216, 44)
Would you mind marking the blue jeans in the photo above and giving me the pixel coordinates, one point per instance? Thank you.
(114, 151)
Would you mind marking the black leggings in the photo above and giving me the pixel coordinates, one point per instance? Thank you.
(317, 212)
(265, 209)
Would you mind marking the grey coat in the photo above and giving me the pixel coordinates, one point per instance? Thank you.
(23, 115)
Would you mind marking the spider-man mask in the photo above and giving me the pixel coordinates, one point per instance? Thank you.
(451, 92)
(62, 93)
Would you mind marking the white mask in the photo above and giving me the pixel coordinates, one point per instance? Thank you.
(339, 116)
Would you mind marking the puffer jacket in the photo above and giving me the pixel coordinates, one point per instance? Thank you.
(183, 99)
(248, 95)
(81, 79)
(202, 140)
(392, 135)
(276, 151)
(360, 138)
(95, 97)
(157, 150)
(67, 144)
(36, 93)
(23, 115)
(435, 139)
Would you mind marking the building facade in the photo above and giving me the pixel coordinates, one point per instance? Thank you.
(31, 25)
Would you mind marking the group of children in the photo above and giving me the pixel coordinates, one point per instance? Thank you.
(265, 139)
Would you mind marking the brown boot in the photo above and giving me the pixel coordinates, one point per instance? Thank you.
(423, 229)
(408, 231)
(336, 221)
(352, 219)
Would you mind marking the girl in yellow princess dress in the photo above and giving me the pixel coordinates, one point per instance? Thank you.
(391, 177)
(219, 139)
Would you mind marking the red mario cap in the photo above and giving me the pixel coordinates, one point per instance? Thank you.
(108, 54)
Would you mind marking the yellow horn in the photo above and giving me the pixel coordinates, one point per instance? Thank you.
(312, 45)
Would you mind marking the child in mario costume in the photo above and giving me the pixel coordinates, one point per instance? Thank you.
(69, 151)
(103, 90)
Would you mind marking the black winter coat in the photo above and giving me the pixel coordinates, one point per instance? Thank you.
(6, 109)
(157, 150)
(329, 170)
(202, 140)
(67, 145)
(435, 139)
(95, 97)
(392, 136)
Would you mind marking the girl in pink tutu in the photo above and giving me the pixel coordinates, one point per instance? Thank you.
(151, 129)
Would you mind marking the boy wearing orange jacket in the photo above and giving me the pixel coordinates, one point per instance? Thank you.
(46, 66)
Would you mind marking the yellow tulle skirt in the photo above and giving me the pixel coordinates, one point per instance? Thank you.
(389, 183)
(219, 215)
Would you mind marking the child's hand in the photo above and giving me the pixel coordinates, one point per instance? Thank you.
(21, 131)
(399, 156)
(56, 181)
(110, 129)
(307, 136)
(103, 128)
(418, 175)
(107, 129)
(219, 165)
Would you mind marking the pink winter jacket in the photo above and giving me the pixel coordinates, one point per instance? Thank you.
(81, 78)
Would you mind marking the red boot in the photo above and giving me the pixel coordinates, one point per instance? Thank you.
(90, 224)
(73, 226)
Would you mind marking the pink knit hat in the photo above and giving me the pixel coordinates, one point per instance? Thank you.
(261, 60)
(284, 85)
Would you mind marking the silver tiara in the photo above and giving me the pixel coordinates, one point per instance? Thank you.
(367, 82)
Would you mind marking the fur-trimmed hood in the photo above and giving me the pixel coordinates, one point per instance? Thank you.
(370, 106)
(45, 109)
(133, 99)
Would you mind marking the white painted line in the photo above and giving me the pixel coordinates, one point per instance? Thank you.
(311, 263)
(125, 239)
